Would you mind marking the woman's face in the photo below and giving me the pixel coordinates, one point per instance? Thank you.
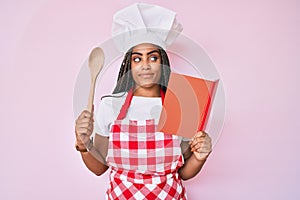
(146, 65)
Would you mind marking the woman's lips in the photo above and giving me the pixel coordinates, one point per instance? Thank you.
(147, 75)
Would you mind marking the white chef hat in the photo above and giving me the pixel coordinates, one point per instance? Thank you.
(144, 23)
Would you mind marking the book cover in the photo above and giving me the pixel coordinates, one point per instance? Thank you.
(187, 104)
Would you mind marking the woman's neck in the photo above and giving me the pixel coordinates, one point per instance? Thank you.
(153, 91)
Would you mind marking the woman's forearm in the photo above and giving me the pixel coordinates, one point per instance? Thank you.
(94, 163)
(195, 154)
(191, 167)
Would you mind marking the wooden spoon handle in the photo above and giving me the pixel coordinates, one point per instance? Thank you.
(96, 60)
(91, 95)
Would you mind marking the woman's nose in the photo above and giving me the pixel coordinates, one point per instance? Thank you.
(145, 64)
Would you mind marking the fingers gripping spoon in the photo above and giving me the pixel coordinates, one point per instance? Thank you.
(96, 61)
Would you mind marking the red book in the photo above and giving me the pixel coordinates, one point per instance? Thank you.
(186, 105)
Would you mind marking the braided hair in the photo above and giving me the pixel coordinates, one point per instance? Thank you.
(125, 80)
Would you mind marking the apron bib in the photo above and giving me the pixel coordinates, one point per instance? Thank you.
(144, 163)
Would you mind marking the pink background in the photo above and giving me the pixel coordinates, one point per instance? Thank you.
(255, 45)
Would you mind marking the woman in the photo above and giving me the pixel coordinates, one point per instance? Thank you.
(145, 164)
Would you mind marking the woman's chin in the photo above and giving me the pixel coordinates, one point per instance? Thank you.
(147, 85)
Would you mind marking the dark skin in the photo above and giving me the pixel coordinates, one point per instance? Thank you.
(145, 65)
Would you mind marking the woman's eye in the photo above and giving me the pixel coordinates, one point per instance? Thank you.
(136, 59)
(153, 58)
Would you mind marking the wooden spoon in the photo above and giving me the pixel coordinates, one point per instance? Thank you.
(96, 61)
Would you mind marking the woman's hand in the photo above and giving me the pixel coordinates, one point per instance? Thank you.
(201, 145)
(84, 128)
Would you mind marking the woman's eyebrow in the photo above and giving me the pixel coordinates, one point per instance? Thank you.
(138, 53)
(154, 51)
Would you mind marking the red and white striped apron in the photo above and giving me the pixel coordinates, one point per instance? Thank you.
(144, 163)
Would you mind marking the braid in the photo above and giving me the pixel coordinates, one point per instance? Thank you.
(165, 70)
(125, 81)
